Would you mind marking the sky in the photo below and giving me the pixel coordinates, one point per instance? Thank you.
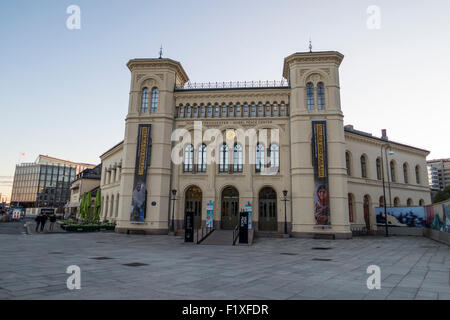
(64, 92)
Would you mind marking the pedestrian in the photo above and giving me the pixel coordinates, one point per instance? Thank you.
(52, 221)
(43, 221)
(38, 221)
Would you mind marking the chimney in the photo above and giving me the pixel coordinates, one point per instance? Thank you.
(349, 127)
(384, 135)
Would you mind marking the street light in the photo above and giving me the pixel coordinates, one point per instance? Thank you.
(387, 145)
(285, 192)
(172, 226)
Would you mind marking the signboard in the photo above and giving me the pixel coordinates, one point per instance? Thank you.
(320, 162)
(248, 209)
(402, 216)
(209, 214)
(243, 227)
(189, 226)
(47, 211)
(139, 196)
(16, 213)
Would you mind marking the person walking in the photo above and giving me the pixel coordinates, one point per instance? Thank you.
(38, 221)
(52, 221)
(43, 221)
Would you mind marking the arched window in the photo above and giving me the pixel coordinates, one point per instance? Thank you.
(231, 110)
(275, 109)
(259, 157)
(202, 110)
(320, 96)
(188, 158)
(283, 110)
(268, 112)
(421, 202)
(188, 111)
(223, 158)
(238, 110)
(245, 109)
(350, 207)
(144, 104)
(181, 115)
(209, 110)
(392, 165)
(195, 111)
(363, 167)
(154, 107)
(201, 158)
(274, 154)
(253, 110)
(378, 163)
(405, 172)
(224, 110)
(417, 174)
(237, 158)
(310, 96)
(396, 202)
(216, 110)
(260, 110)
(381, 201)
(348, 163)
(409, 202)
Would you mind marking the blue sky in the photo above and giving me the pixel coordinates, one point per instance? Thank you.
(65, 92)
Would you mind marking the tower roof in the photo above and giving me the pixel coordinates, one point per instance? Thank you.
(312, 58)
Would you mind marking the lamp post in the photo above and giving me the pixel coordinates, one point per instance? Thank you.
(389, 184)
(285, 192)
(172, 226)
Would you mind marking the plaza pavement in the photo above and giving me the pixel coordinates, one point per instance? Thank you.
(33, 266)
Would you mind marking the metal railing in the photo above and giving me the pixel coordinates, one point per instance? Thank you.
(283, 83)
(235, 234)
(205, 232)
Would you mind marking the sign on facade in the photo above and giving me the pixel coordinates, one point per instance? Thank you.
(139, 196)
(209, 214)
(320, 161)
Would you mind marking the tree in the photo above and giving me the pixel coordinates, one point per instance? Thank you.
(97, 206)
(442, 195)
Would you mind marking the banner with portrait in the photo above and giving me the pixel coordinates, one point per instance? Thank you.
(320, 163)
(139, 195)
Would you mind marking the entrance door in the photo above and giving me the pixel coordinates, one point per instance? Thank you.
(267, 210)
(194, 203)
(230, 208)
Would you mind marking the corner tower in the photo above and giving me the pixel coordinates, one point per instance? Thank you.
(147, 146)
(318, 171)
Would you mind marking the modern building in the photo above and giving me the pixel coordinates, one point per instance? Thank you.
(45, 182)
(249, 146)
(439, 173)
(86, 181)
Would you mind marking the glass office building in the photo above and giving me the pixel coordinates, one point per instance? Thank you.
(44, 183)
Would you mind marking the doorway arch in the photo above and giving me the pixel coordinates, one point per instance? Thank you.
(230, 208)
(193, 201)
(267, 210)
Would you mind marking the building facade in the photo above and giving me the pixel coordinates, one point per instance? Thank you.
(250, 146)
(86, 181)
(44, 183)
(439, 173)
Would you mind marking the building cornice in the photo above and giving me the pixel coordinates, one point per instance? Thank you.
(312, 58)
(152, 63)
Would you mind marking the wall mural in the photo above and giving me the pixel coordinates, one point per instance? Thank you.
(402, 216)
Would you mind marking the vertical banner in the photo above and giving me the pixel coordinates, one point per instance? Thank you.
(320, 162)
(248, 209)
(139, 197)
(209, 214)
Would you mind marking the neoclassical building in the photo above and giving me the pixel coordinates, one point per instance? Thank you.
(219, 148)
